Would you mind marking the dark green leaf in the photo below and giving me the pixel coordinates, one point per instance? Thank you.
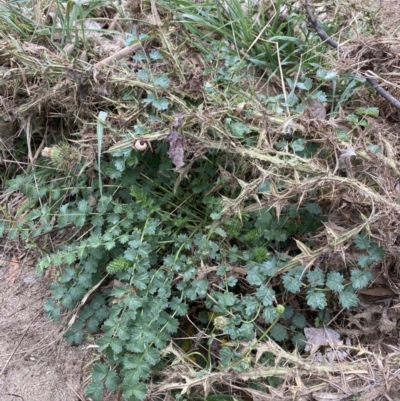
(95, 391)
(278, 332)
(270, 314)
(112, 381)
(99, 372)
(362, 241)
(266, 295)
(299, 321)
(376, 252)
(313, 208)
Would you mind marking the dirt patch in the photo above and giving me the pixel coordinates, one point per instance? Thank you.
(35, 361)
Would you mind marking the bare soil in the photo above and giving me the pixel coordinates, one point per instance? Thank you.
(36, 364)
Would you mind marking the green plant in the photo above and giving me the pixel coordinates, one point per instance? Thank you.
(146, 254)
(148, 242)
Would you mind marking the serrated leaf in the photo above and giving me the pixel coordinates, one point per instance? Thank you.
(299, 321)
(92, 325)
(316, 299)
(99, 372)
(86, 312)
(362, 241)
(278, 332)
(95, 391)
(155, 55)
(225, 355)
(215, 216)
(178, 307)
(298, 145)
(221, 232)
(269, 267)
(316, 277)
(238, 129)
(85, 280)
(52, 310)
(133, 302)
(245, 332)
(335, 281)
(161, 80)
(143, 75)
(299, 341)
(254, 276)
(139, 391)
(370, 111)
(360, 278)
(313, 208)
(291, 284)
(288, 313)
(376, 253)
(152, 356)
(364, 261)
(270, 314)
(291, 100)
(266, 295)
(77, 293)
(112, 381)
(139, 56)
(251, 305)
(347, 298)
(74, 337)
(306, 85)
(321, 96)
(172, 325)
(116, 345)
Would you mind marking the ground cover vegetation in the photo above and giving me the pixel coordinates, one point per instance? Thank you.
(207, 185)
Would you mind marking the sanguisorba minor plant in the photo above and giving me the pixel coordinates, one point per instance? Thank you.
(150, 254)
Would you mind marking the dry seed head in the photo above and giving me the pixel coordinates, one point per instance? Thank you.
(59, 154)
(220, 322)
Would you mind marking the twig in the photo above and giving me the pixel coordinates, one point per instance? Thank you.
(126, 51)
(323, 35)
(80, 397)
(13, 395)
(19, 342)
